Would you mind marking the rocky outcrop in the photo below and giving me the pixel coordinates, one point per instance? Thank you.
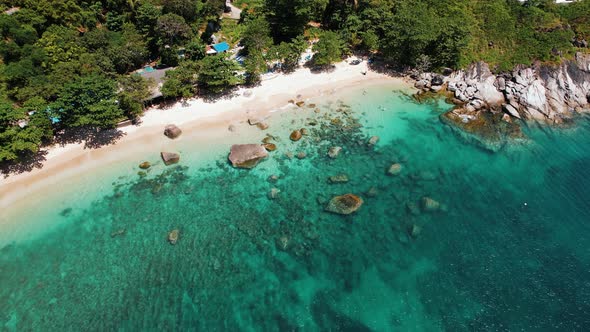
(246, 155)
(487, 104)
(539, 92)
(172, 131)
(345, 204)
(170, 158)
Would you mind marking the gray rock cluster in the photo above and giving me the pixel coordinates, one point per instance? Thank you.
(539, 92)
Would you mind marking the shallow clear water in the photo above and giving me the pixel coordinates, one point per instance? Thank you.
(508, 249)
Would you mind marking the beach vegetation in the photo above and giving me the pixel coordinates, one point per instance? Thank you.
(52, 50)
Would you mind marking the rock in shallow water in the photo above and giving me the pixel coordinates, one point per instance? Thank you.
(170, 158)
(295, 135)
(269, 146)
(394, 169)
(173, 236)
(373, 140)
(145, 165)
(345, 204)
(340, 178)
(429, 205)
(246, 155)
(334, 152)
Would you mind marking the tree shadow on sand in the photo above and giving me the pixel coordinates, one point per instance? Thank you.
(26, 164)
(90, 138)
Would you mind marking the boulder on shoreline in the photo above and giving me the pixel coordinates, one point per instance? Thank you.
(172, 131)
(345, 204)
(246, 155)
(170, 158)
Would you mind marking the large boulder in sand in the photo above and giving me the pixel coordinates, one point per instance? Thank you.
(246, 155)
(345, 204)
(172, 131)
(170, 158)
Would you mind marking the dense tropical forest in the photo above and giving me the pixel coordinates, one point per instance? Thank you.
(66, 64)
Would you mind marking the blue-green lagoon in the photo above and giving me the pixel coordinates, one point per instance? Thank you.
(508, 248)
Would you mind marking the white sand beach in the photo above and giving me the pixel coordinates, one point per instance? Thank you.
(63, 162)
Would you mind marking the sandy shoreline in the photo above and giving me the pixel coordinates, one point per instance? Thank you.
(195, 114)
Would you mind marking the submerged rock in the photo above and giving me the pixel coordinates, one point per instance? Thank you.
(118, 232)
(170, 158)
(295, 135)
(334, 152)
(172, 131)
(283, 242)
(394, 169)
(414, 230)
(340, 178)
(301, 155)
(429, 205)
(304, 131)
(173, 236)
(145, 165)
(246, 155)
(372, 192)
(373, 140)
(345, 204)
(273, 193)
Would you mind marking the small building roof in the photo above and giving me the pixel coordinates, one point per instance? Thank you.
(12, 10)
(221, 47)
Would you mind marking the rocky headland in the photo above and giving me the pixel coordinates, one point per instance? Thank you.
(490, 107)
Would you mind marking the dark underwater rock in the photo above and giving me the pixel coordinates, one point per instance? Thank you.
(145, 165)
(345, 204)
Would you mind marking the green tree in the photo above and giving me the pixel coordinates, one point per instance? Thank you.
(218, 74)
(257, 35)
(134, 90)
(185, 8)
(328, 49)
(172, 29)
(182, 81)
(90, 101)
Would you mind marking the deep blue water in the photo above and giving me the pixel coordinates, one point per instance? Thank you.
(508, 249)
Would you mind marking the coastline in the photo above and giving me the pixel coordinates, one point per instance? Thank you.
(63, 163)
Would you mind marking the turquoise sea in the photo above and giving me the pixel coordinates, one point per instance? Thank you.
(508, 249)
